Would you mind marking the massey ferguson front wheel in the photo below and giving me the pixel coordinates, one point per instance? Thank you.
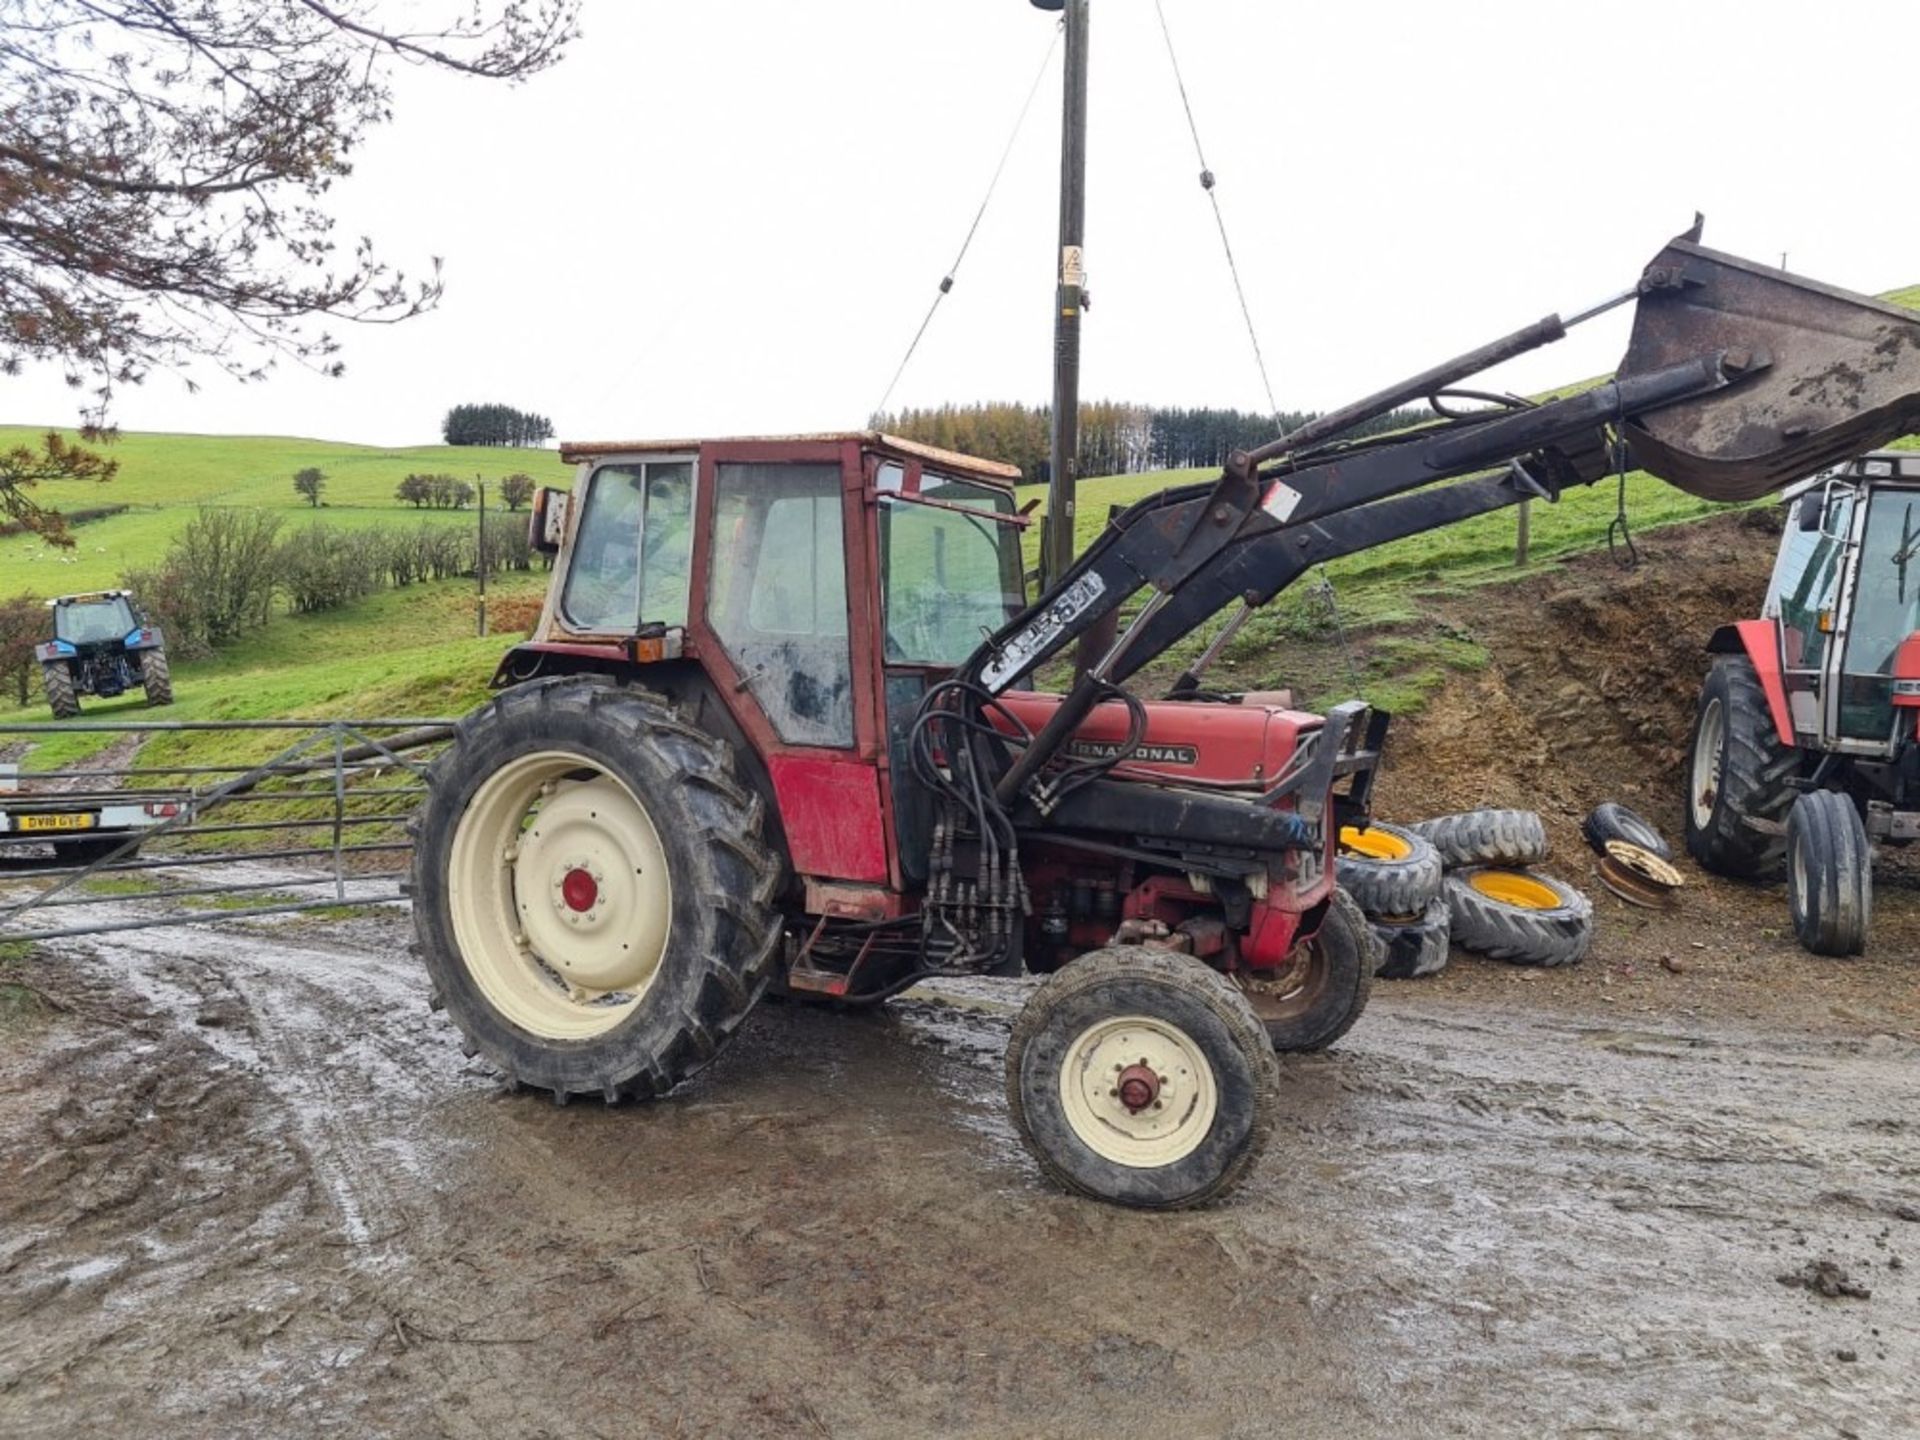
(591, 892)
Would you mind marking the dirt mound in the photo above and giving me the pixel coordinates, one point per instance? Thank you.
(1589, 691)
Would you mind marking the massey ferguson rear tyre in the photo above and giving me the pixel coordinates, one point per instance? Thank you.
(58, 678)
(1142, 1078)
(1737, 771)
(591, 892)
(1417, 950)
(1516, 915)
(1486, 837)
(1391, 873)
(1314, 999)
(1829, 874)
(156, 677)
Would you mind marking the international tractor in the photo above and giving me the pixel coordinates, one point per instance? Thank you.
(1803, 749)
(101, 646)
(786, 723)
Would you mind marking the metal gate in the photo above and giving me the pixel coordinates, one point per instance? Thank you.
(185, 822)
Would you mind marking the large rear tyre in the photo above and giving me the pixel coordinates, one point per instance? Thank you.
(1142, 1078)
(156, 677)
(591, 892)
(1738, 771)
(1316, 997)
(1829, 874)
(57, 676)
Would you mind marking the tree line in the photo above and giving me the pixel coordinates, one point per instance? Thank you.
(495, 425)
(1116, 437)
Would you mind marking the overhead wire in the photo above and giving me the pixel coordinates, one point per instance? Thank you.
(946, 280)
(1219, 219)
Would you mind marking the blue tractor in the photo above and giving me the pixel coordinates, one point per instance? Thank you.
(101, 646)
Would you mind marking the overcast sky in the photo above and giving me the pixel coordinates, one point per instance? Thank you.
(729, 216)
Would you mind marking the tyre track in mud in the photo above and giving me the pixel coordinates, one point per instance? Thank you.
(1479, 1217)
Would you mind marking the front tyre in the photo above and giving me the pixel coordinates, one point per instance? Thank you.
(1142, 1078)
(591, 891)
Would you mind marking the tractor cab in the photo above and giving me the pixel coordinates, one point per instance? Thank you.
(105, 618)
(1845, 596)
(801, 592)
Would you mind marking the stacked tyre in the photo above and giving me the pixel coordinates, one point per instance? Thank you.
(1396, 877)
(1497, 902)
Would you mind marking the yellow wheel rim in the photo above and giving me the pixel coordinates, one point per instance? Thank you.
(1373, 844)
(1510, 887)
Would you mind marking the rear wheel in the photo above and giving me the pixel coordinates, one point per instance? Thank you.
(57, 675)
(1829, 874)
(591, 892)
(1738, 771)
(1142, 1078)
(1315, 998)
(156, 677)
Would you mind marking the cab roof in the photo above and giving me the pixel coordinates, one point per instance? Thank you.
(991, 471)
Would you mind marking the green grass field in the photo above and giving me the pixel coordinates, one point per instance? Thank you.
(164, 478)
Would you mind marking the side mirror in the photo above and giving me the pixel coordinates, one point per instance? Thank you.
(1811, 507)
(547, 520)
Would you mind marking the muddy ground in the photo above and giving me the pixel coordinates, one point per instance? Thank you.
(249, 1186)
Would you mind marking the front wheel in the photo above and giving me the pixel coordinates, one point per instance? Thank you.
(1142, 1078)
(1315, 998)
(1829, 874)
(591, 892)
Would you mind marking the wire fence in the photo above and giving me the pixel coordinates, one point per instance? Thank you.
(186, 822)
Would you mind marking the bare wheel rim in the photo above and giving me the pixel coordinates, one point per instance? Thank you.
(1295, 989)
(1138, 1091)
(559, 894)
(1709, 756)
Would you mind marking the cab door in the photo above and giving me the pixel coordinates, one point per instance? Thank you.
(782, 572)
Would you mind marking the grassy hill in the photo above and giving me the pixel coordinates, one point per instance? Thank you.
(163, 478)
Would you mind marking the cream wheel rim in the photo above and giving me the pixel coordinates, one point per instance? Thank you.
(1138, 1091)
(559, 894)
(1709, 757)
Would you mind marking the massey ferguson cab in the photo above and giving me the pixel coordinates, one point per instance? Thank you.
(1803, 746)
(782, 725)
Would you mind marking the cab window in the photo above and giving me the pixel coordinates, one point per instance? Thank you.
(950, 577)
(632, 555)
(778, 598)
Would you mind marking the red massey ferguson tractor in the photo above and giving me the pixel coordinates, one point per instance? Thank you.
(779, 727)
(1804, 748)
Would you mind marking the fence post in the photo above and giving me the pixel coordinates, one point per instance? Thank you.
(480, 553)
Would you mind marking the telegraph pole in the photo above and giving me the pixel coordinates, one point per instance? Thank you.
(1069, 294)
(480, 549)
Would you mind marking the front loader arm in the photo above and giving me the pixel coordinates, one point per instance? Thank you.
(1737, 376)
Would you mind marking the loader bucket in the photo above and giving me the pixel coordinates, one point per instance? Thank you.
(1832, 374)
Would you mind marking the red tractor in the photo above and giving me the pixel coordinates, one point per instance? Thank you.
(1803, 746)
(779, 727)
